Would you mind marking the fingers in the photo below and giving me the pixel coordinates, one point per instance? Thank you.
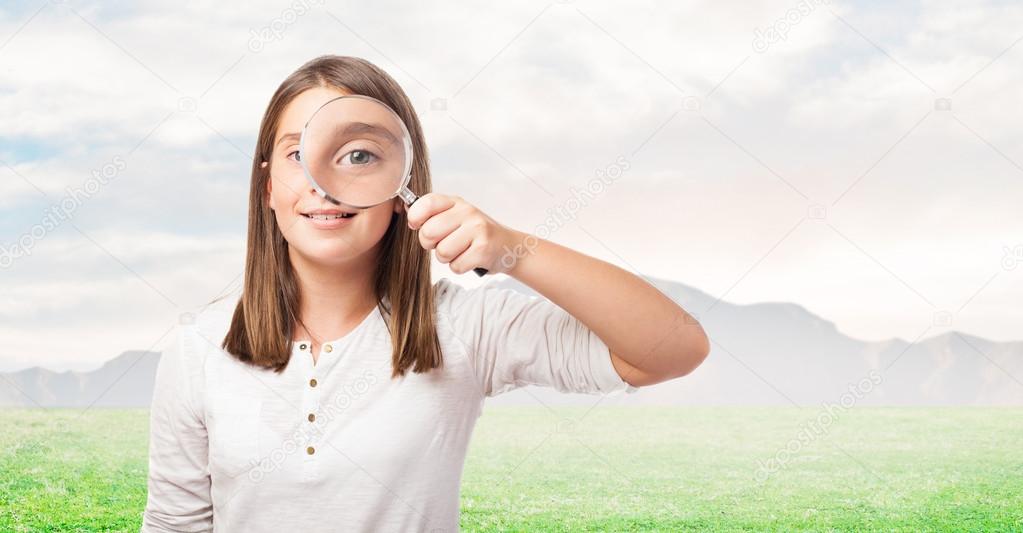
(427, 206)
(437, 228)
(459, 234)
(454, 244)
(472, 246)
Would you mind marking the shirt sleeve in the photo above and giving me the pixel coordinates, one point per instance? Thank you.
(514, 339)
(179, 480)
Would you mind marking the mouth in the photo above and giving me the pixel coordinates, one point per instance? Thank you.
(329, 214)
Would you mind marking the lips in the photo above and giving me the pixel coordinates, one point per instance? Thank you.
(329, 214)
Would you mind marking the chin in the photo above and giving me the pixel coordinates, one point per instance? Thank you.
(325, 251)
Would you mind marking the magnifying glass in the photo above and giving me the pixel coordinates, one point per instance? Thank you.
(357, 152)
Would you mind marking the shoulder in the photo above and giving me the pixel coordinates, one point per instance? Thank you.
(445, 291)
(453, 299)
(471, 310)
(459, 309)
(448, 297)
(201, 329)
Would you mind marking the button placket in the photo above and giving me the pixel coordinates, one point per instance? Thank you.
(312, 404)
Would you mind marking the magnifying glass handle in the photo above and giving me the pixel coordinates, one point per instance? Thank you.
(410, 198)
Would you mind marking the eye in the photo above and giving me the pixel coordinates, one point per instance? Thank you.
(298, 157)
(359, 157)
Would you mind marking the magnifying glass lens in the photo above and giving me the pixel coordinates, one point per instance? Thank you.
(356, 151)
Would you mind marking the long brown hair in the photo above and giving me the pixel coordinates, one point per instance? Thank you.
(264, 320)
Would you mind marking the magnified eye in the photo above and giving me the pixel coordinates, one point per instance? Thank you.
(359, 157)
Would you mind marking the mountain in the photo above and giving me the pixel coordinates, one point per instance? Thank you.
(778, 353)
(771, 353)
(124, 381)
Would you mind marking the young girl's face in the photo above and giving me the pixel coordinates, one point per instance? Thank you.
(292, 197)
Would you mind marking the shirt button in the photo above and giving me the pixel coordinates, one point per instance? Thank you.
(312, 382)
(301, 346)
(312, 417)
(310, 450)
(328, 348)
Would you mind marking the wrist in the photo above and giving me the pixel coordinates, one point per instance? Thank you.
(517, 250)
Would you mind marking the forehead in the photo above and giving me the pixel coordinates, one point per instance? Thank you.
(298, 111)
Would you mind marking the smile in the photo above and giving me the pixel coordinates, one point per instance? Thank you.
(324, 216)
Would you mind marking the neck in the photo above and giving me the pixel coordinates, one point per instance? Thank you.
(334, 298)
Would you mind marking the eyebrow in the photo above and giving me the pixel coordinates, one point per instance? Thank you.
(353, 128)
(362, 127)
(286, 137)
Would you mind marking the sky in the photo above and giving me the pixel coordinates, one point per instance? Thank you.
(863, 160)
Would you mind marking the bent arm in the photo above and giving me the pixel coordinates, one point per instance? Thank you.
(651, 338)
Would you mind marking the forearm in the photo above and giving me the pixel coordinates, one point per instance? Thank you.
(638, 323)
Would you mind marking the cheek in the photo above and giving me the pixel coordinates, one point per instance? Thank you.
(282, 196)
(283, 200)
(380, 219)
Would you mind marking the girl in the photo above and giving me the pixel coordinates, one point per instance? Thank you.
(338, 389)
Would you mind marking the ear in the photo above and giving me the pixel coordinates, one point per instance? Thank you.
(398, 205)
(269, 187)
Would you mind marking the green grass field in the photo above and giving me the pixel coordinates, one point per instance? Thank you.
(617, 469)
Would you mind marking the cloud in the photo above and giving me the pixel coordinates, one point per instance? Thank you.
(728, 146)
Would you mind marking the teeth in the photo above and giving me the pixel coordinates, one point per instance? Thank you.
(328, 217)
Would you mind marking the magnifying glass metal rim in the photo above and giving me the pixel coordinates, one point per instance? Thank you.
(402, 191)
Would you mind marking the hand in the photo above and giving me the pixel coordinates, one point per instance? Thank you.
(463, 237)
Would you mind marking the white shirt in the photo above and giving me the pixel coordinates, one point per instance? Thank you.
(339, 445)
